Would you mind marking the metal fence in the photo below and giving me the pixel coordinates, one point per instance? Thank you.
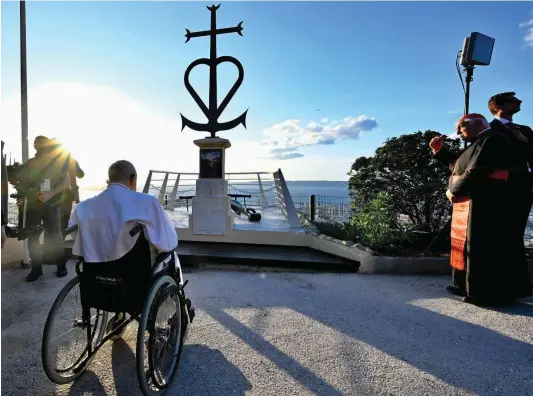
(326, 208)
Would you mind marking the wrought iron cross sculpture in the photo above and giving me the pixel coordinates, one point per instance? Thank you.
(213, 112)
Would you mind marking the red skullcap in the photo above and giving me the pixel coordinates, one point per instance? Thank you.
(472, 116)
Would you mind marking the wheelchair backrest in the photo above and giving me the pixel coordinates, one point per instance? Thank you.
(120, 285)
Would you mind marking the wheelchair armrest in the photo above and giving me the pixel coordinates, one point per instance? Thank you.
(69, 230)
(77, 267)
(163, 256)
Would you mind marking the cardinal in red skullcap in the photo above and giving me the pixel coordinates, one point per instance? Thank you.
(467, 128)
(470, 125)
(487, 248)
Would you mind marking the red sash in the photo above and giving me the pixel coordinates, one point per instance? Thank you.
(460, 217)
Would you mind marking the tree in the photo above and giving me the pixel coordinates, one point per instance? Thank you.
(405, 169)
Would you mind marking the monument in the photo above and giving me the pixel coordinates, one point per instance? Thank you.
(211, 205)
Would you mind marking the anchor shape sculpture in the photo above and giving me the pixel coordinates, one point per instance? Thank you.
(213, 111)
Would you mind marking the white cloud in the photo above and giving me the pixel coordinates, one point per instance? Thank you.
(286, 138)
(528, 38)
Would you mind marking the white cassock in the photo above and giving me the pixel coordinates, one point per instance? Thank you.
(104, 223)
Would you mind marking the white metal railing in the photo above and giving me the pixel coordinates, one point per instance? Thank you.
(285, 200)
(166, 185)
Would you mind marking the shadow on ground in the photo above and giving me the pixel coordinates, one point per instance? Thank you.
(384, 318)
(292, 333)
(202, 371)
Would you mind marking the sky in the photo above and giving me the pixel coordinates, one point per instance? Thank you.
(324, 82)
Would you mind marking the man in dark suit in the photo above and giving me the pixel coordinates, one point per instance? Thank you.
(503, 107)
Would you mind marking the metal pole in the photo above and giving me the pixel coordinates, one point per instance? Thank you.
(469, 78)
(312, 207)
(23, 83)
(24, 109)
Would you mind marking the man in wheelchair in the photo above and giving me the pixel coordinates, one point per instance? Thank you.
(106, 227)
(128, 266)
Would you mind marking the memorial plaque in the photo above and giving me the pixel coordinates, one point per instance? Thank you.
(211, 163)
(211, 188)
(209, 216)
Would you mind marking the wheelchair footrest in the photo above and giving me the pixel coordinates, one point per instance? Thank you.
(190, 310)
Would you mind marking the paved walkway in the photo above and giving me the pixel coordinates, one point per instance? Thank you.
(296, 334)
(12, 253)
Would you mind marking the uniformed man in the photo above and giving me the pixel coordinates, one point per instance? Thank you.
(42, 179)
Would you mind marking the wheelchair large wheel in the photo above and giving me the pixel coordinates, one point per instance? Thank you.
(64, 365)
(160, 336)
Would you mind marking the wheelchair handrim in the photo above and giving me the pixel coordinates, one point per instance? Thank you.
(52, 372)
(143, 327)
(177, 345)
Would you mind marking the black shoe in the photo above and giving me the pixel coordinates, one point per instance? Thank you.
(525, 294)
(34, 274)
(482, 302)
(25, 265)
(476, 301)
(61, 272)
(457, 291)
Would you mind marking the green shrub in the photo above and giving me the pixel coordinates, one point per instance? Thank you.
(375, 224)
(334, 230)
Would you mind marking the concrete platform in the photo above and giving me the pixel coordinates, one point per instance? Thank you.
(272, 219)
(286, 334)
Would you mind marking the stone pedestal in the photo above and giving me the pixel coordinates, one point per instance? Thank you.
(211, 204)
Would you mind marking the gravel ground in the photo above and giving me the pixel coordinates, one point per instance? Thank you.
(296, 334)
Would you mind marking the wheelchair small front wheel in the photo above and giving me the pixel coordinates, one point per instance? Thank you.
(115, 320)
(63, 364)
(160, 337)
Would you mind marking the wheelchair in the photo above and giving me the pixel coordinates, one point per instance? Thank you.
(104, 295)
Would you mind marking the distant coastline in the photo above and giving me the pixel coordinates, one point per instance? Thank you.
(300, 188)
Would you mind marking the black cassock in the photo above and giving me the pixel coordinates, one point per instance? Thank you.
(490, 181)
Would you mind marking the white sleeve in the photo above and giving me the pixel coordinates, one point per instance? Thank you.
(159, 229)
(77, 249)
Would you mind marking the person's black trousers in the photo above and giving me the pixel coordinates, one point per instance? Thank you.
(51, 252)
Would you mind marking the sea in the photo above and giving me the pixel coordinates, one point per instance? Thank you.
(303, 188)
(331, 197)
